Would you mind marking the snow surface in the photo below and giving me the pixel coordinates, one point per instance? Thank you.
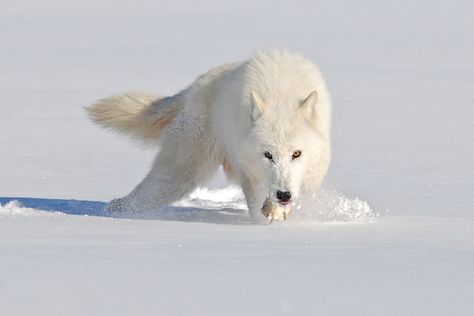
(391, 234)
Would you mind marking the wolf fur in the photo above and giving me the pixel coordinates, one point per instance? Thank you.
(274, 104)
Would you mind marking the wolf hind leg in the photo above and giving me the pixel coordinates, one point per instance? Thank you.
(155, 191)
(179, 167)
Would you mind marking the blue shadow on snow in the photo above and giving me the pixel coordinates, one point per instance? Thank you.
(74, 207)
(169, 213)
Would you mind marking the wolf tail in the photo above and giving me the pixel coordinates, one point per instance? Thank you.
(144, 116)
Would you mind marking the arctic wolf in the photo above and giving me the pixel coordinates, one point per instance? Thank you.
(266, 120)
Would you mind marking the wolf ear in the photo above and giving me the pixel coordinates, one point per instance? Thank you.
(308, 106)
(257, 106)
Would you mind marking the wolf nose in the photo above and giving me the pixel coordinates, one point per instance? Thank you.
(283, 196)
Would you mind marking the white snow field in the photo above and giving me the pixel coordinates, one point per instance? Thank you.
(392, 233)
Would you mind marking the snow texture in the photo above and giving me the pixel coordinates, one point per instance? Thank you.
(392, 232)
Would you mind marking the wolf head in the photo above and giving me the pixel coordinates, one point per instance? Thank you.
(287, 152)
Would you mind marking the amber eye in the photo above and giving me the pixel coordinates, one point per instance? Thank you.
(296, 154)
(268, 155)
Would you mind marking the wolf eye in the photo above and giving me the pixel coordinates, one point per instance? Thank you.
(296, 154)
(268, 155)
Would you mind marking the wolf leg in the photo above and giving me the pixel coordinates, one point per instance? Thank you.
(156, 190)
(254, 202)
(183, 161)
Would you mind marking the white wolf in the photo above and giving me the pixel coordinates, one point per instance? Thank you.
(265, 120)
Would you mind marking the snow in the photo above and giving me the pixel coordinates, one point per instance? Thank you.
(392, 233)
(56, 264)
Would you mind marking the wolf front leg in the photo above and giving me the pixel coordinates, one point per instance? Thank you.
(253, 198)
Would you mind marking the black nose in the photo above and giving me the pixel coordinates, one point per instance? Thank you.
(283, 196)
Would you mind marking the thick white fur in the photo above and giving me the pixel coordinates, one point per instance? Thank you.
(230, 116)
(141, 115)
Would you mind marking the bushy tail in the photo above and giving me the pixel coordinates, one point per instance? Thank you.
(140, 115)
